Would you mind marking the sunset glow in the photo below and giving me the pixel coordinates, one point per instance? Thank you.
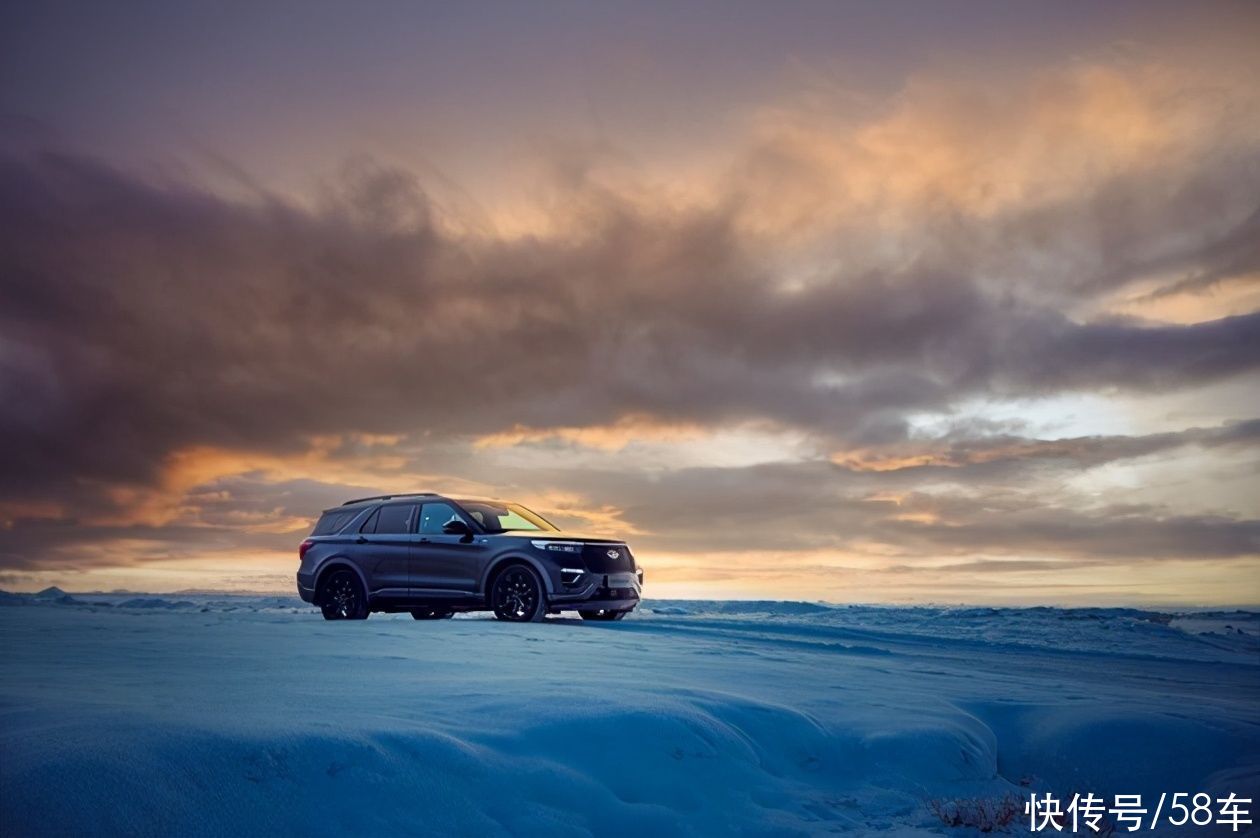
(802, 314)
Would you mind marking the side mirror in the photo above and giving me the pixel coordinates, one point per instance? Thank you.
(457, 527)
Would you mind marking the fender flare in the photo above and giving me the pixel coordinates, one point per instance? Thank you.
(515, 558)
(336, 562)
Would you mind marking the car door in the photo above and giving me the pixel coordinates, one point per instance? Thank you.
(385, 543)
(440, 561)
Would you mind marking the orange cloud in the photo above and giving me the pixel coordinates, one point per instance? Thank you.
(12, 511)
(186, 469)
(614, 437)
(1225, 297)
(595, 518)
(827, 160)
(944, 455)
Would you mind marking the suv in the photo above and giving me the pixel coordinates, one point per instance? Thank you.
(431, 556)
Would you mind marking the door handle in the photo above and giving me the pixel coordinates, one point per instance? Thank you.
(360, 540)
(425, 541)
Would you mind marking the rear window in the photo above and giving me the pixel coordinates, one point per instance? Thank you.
(332, 521)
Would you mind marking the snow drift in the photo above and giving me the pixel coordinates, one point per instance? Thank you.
(210, 715)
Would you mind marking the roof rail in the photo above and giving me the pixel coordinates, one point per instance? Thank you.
(395, 495)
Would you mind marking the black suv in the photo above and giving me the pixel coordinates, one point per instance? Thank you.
(432, 555)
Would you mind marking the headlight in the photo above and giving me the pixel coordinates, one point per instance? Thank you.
(559, 546)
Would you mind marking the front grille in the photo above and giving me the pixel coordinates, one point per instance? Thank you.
(598, 558)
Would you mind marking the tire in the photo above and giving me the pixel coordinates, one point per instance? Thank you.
(604, 616)
(517, 595)
(431, 614)
(343, 597)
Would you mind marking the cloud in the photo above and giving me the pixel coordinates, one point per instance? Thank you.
(141, 319)
(160, 340)
(962, 450)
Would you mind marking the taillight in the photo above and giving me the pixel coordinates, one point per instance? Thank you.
(303, 547)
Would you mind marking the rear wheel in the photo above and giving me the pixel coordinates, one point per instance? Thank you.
(601, 615)
(517, 595)
(431, 613)
(344, 598)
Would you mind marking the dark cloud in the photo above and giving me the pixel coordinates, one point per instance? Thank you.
(1124, 355)
(961, 454)
(1110, 532)
(1184, 227)
(774, 508)
(815, 506)
(1234, 254)
(140, 317)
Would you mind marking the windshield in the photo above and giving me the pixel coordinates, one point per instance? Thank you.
(499, 517)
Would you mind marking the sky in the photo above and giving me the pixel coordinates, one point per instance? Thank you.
(859, 302)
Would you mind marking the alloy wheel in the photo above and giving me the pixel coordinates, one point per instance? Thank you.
(343, 598)
(517, 595)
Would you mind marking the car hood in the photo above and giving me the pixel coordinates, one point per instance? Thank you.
(563, 535)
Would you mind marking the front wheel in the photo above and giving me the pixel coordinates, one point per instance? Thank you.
(344, 598)
(517, 595)
(601, 615)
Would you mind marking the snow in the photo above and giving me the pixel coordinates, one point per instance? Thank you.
(219, 714)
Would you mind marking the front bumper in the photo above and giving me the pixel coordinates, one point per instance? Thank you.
(603, 591)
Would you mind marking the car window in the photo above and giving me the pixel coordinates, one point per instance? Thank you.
(332, 521)
(395, 518)
(434, 515)
(513, 520)
(499, 517)
(370, 524)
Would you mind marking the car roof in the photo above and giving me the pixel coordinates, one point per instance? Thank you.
(380, 498)
(373, 499)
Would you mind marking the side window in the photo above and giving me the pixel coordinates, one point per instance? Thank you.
(395, 518)
(370, 524)
(434, 515)
(331, 522)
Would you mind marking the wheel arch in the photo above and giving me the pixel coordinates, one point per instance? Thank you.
(328, 568)
(498, 565)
